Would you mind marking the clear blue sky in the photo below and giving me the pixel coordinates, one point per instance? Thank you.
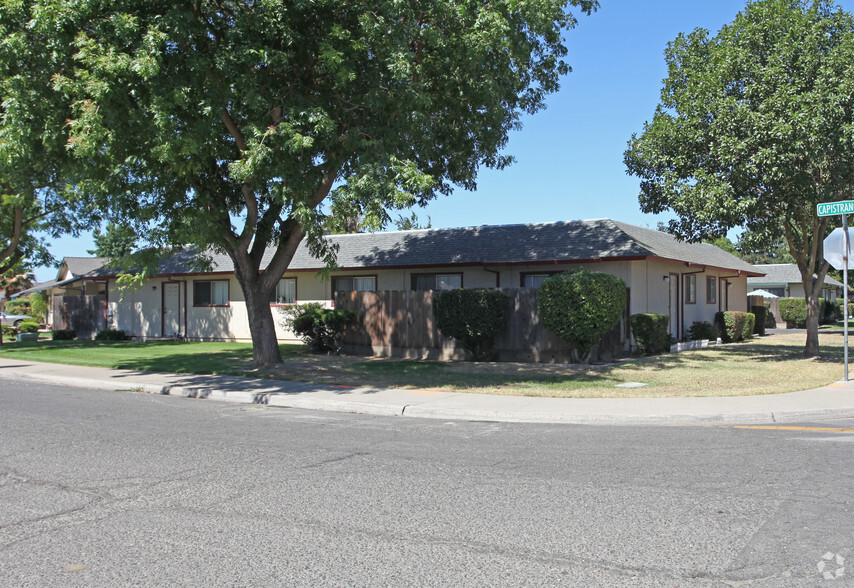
(569, 157)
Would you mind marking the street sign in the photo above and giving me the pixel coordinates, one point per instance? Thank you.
(833, 208)
(834, 247)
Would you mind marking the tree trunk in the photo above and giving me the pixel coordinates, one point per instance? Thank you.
(811, 347)
(262, 328)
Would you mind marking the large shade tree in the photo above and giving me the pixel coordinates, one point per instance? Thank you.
(238, 125)
(36, 200)
(754, 129)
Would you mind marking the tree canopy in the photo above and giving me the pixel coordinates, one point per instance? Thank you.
(754, 129)
(228, 124)
(116, 242)
(36, 200)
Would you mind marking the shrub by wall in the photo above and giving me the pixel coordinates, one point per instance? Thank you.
(472, 316)
(794, 312)
(700, 330)
(730, 325)
(580, 306)
(749, 324)
(761, 313)
(111, 335)
(320, 328)
(650, 332)
(841, 311)
(64, 334)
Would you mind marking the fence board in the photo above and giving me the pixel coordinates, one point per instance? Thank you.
(84, 314)
(401, 323)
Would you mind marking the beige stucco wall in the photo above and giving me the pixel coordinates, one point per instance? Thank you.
(140, 312)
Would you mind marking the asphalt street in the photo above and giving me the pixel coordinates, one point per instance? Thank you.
(120, 488)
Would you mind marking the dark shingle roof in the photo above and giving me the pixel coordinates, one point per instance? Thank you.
(784, 273)
(518, 244)
(80, 267)
(499, 244)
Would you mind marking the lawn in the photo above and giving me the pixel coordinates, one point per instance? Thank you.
(762, 366)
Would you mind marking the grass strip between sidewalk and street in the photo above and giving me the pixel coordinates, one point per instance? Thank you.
(766, 365)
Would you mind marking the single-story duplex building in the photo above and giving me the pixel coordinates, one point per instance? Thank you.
(784, 280)
(686, 281)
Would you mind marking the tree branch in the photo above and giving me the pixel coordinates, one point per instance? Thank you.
(233, 130)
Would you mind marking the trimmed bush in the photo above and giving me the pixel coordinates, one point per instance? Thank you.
(650, 332)
(730, 325)
(749, 324)
(794, 312)
(29, 326)
(580, 306)
(472, 316)
(320, 328)
(111, 335)
(841, 310)
(700, 330)
(64, 334)
(9, 331)
(761, 313)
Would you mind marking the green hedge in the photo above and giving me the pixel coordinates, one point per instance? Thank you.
(761, 313)
(841, 312)
(700, 330)
(826, 311)
(749, 324)
(794, 312)
(650, 332)
(472, 316)
(64, 334)
(580, 306)
(29, 326)
(111, 335)
(730, 325)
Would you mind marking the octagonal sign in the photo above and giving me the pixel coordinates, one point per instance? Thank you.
(833, 248)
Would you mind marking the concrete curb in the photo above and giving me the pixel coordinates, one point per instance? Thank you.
(570, 410)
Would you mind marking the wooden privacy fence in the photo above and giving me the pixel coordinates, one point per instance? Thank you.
(400, 323)
(84, 314)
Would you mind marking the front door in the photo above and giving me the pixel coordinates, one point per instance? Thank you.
(171, 309)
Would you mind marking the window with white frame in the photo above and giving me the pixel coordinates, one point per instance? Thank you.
(210, 293)
(285, 292)
(354, 284)
(437, 281)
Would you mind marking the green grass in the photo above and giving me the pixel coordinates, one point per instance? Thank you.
(762, 366)
(162, 356)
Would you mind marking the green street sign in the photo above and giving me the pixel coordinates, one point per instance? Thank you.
(832, 208)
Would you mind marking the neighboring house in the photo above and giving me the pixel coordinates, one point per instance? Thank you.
(686, 281)
(784, 280)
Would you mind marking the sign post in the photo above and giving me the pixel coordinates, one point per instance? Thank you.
(842, 208)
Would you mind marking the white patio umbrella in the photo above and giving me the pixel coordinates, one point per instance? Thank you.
(762, 293)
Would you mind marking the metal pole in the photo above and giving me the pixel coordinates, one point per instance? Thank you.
(845, 244)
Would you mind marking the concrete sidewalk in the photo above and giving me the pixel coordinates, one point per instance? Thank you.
(830, 402)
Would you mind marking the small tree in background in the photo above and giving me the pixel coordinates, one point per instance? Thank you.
(580, 306)
(473, 316)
